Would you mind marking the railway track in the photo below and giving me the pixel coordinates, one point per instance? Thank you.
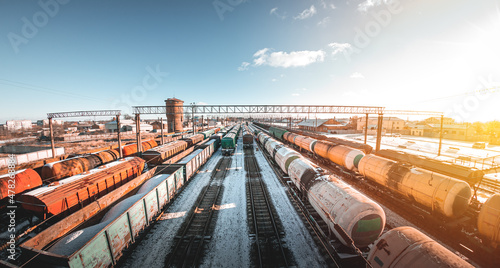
(189, 243)
(265, 229)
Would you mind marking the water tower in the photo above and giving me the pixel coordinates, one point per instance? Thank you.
(175, 116)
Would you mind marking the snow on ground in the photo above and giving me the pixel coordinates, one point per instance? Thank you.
(297, 237)
(230, 244)
(153, 249)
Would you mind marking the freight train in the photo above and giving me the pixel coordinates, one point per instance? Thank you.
(338, 203)
(230, 140)
(447, 196)
(103, 243)
(439, 193)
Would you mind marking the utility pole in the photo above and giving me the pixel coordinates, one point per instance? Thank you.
(366, 128)
(441, 136)
(379, 131)
(161, 124)
(119, 138)
(52, 138)
(138, 130)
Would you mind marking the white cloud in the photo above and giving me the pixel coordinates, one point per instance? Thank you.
(274, 80)
(285, 60)
(307, 13)
(357, 75)
(324, 21)
(274, 11)
(368, 4)
(295, 94)
(244, 66)
(339, 47)
(325, 5)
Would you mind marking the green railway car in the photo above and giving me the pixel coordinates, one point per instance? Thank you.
(277, 132)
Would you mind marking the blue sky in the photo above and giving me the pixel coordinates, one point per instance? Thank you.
(62, 55)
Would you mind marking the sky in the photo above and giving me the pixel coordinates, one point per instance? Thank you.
(427, 55)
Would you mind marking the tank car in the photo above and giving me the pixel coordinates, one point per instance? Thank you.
(68, 167)
(447, 196)
(22, 180)
(408, 247)
(488, 221)
(339, 154)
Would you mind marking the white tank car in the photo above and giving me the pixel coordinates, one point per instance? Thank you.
(407, 247)
(271, 145)
(284, 156)
(263, 138)
(360, 217)
(488, 220)
(339, 154)
(437, 192)
(302, 173)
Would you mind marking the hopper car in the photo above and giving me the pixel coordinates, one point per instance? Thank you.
(70, 194)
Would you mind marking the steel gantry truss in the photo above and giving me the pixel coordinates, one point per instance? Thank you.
(262, 109)
(115, 113)
(84, 113)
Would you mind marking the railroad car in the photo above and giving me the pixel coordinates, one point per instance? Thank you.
(107, 156)
(488, 220)
(339, 154)
(303, 142)
(208, 133)
(192, 162)
(131, 149)
(102, 244)
(230, 140)
(247, 137)
(194, 139)
(217, 137)
(447, 196)
(337, 203)
(21, 180)
(70, 194)
(468, 174)
(68, 167)
(161, 153)
(408, 247)
(277, 132)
